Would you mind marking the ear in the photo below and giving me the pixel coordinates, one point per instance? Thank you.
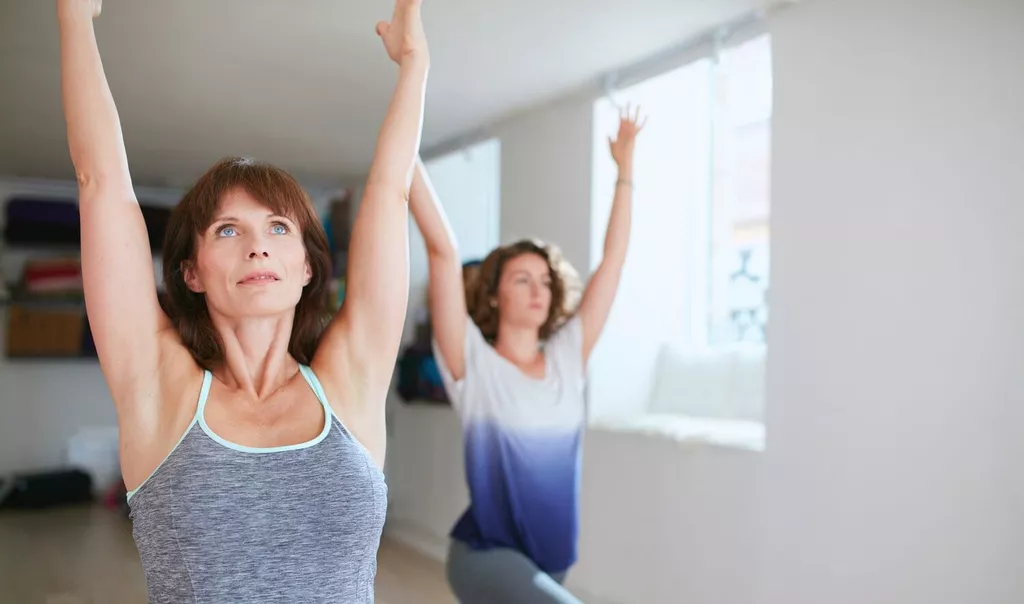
(308, 275)
(188, 273)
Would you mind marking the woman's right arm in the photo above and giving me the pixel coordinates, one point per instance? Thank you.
(117, 264)
(446, 292)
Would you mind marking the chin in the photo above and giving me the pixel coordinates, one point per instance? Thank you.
(535, 321)
(266, 306)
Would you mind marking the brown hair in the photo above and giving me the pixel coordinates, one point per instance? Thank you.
(281, 194)
(565, 287)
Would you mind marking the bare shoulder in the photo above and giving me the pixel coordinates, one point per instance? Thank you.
(358, 405)
(155, 407)
(337, 372)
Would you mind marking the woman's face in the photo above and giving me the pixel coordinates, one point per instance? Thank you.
(524, 291)
(249, 262)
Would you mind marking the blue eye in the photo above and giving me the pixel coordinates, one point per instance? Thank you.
(227, 231)
(279, 229)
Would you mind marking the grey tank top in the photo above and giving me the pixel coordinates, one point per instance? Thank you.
(220, 522)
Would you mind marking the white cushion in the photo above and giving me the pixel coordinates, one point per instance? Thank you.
(714, 383)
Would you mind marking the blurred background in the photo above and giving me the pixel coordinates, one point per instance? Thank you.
(809, 389)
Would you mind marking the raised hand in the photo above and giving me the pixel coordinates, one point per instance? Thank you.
(629, 126)
(403, 36)
(72, 7)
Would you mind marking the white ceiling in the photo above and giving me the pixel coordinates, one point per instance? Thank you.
(304, 83)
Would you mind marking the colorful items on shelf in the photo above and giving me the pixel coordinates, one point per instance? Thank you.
(47, 315)
(57, 277)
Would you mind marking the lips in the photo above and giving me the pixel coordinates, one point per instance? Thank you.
(258, 277)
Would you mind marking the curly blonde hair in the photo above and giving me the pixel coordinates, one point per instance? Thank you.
(565, 287)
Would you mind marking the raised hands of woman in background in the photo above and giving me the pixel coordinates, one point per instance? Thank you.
(600, 292)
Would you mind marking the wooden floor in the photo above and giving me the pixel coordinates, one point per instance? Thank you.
(86, 555)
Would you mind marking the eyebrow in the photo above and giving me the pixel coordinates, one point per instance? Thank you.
(234, 219)
(523, 271)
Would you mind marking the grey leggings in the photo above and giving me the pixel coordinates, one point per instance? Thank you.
(502, 576)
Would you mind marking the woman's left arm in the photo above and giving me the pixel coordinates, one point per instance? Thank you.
(600, 292)
(356, 357)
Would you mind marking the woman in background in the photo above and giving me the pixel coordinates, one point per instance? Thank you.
(514, 370)
(251, 430)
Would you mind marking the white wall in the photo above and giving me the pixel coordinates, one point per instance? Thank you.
(895, 390)
(545, 177)
(665, 521)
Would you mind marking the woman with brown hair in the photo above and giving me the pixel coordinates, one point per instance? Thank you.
(251, 423)
(514, 370)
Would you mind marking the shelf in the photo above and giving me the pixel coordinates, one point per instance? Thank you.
(57, 218)
(61, 248)
(19, 297)
(41, 304)
(45, 358)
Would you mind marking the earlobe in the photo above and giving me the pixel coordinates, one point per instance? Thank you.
(188, 273)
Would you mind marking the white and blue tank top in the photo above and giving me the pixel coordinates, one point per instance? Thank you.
(522, 447)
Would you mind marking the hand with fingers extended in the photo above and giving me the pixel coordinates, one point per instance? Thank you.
(403, 37)
(629, 126)
(91, 8)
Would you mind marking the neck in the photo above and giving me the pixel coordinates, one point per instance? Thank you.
(256, 357)
(518, 344)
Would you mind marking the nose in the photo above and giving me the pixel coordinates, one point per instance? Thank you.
(257, 243)
(258, 249)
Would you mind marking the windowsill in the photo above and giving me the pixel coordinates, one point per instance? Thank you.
(736, 434)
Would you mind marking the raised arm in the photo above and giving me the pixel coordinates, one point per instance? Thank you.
(447, 296)
(117, 264)
(600, 292)
(359, 349)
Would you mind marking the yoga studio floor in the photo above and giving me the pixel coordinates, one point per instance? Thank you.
(85, 555)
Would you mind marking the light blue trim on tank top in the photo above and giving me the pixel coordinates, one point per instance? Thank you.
(199, 418)
(314, 384)
(203, 393)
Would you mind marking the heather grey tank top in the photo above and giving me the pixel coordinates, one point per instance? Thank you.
(219, 522)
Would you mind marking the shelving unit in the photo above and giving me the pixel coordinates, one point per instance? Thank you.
(49, 325)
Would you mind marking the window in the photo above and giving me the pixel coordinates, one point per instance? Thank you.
(468, 183)
(692, 306)
(740, 199)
